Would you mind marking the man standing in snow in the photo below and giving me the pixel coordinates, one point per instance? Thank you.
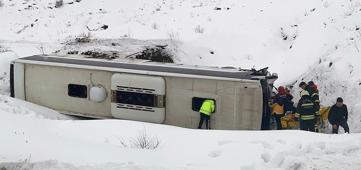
(314, 96)
(205, 112)
(312, 89)
(338, 116)
(305, 110)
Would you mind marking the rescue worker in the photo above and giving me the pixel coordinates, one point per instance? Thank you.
(316, 101)
(314, 96)
(305, 110)
(289, 108)
(338, 116)
(277, 106)
(205, 111)
(304, 86)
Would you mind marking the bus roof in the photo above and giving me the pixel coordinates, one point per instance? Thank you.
(141, 65)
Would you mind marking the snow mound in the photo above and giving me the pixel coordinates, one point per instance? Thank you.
(96, 144)
(30, 110)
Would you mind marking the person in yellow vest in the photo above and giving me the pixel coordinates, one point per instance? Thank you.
(277, 106)
(206, 110)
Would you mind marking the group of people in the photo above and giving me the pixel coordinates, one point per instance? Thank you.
(307, 110)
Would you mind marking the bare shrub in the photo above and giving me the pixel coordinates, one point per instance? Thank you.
(142, 141)
(155, 26)
(1, 3)
(41, 49)
(83, 38)
(24, 164)
(157, 54)
(199, 29)
(3, 49)
(173, 35)
(59, 3)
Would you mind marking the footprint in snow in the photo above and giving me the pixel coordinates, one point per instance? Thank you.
(215, 154)
(224, 142)
(265, 144)
(350, 150)
(279, 159)
(321, 145)
(281, 141)
(266, 157)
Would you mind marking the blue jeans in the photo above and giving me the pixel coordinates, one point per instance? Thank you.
(203, 117)
(344, 125)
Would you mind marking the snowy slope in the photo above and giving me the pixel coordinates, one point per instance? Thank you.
(241, 33)
(299, 39)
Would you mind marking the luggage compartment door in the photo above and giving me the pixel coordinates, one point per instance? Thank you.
(138, 97)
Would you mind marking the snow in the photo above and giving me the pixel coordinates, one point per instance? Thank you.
(300, 40)
(97, 143)
(29, 110)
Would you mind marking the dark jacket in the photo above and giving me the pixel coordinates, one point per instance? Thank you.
(305, 108)
(315, 99)
(279, 99)
(338, 115)
(289, 103)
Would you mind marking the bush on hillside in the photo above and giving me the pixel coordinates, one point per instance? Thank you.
(59, 3)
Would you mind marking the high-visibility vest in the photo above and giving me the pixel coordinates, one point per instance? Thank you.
(277, 109)
(207, 107)
(306, 108)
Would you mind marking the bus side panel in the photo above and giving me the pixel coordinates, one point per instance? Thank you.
(224, 118)
(51, 87)
(178, 102)
(249, 106)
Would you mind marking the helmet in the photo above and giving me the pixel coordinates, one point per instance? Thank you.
(302, 84)
(304, 93)
(281, 90)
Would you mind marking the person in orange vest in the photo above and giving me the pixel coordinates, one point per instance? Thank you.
(277, 106)
(206, 110)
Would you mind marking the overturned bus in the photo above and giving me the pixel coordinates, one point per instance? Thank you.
(146, 91)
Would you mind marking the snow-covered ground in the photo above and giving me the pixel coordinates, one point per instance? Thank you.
(315, 40)
(40, 143)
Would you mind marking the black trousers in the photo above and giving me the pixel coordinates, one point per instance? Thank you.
(307, 125)
(203, 117)
(278, 121)
(344, 125)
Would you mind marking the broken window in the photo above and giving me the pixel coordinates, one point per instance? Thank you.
(76, 90)
(133, 98)
(198, 101)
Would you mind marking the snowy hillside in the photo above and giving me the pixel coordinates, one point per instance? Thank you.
(317, 40)
(288, 36)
